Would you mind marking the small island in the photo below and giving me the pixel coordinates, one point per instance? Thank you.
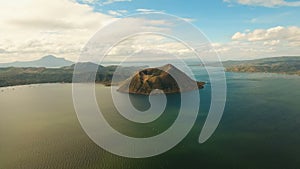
(148, 80)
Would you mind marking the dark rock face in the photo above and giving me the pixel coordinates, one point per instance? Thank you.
(147, 80)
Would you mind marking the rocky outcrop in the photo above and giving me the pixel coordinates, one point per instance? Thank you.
(148, 80)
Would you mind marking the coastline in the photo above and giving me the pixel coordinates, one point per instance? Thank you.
(38, 84)
(278, 73)
(108, 84)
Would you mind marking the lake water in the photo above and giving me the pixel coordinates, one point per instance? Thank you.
(260, 128)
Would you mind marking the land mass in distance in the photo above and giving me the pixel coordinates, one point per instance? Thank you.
(12, 76)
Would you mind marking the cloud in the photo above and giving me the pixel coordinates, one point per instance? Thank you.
(273, 18)
(117, 12)
(143, 10)
(265, 3)
(30, 29)
(88, 1)
(101, 2)
(3, 51)
(271, 42)
(189, 19)
(149, 47)
(289, 34)
(275, 41)
(114, 1)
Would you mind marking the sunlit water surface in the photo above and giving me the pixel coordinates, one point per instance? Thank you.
(260, 128)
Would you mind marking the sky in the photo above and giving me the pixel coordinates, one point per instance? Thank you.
(237, 29)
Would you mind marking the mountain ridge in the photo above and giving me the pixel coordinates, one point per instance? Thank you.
(281, 65)
(48, 61)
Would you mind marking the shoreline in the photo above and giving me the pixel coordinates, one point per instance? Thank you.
(37, 84)
(277, 73)
(108, 84)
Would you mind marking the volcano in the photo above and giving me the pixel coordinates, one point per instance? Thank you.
(147, 81)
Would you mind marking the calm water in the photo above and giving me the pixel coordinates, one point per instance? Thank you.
(260, 128)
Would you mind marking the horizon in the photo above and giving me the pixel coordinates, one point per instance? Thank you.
(116, 62)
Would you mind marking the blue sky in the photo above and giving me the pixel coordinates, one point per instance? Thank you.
(238, 29)
(218, 19)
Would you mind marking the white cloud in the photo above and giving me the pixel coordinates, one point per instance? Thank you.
(289, 34)
(30, 29)
(271, 42)
(143, 10)
(189, 19)
(102, 2)
(89, 1)
(273, 18)
(149, 47)
(117, 12)
(266, 3)
(275, 41)
(113, 1)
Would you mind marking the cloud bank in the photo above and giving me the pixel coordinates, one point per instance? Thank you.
(275, 41)
(30, 29)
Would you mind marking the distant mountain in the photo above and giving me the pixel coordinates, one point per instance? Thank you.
(283, 65)
(49, 61)
(147, 80)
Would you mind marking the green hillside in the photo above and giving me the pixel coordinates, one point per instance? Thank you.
(283, 65)
(12, 76)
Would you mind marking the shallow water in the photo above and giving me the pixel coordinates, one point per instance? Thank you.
(260, 128)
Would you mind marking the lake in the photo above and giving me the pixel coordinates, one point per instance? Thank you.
(260, 128)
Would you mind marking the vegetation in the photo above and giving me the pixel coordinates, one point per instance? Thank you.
(13, 76)
(283, 65)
